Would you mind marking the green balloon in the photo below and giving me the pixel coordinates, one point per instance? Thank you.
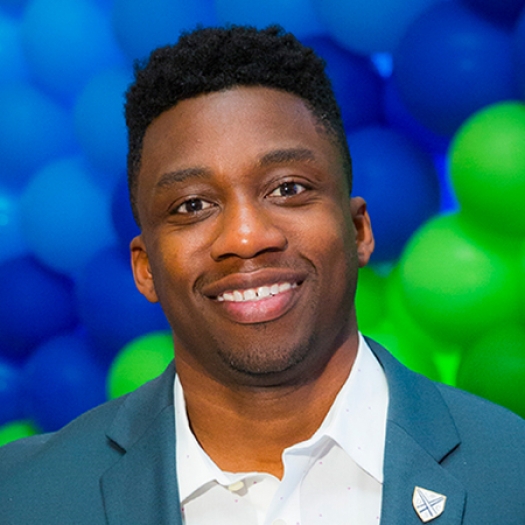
(142, 359)
(17, 430)
(456, 285)
(445, 355)
(494, 368)
(487, 161)
(403, 349)
(369, 299)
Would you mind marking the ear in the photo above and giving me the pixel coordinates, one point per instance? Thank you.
(363, 227)
(141, 269)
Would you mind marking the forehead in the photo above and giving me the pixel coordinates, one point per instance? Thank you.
(229, 129)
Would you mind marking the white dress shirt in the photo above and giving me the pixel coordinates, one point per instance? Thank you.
(333, 478)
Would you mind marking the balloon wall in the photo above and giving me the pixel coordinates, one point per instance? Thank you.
(432, 95)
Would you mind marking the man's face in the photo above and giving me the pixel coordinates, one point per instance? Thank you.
(250, 241)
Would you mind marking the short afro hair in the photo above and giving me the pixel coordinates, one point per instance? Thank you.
(214, 59)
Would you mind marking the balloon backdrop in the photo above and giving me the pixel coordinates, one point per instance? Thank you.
(450, 63)
(66, 219)
(399, 183)
(111, 309)
(432, 98)
(139, 361)
(298, 16)
(63, 379)
(369, 26)
(497, 375)
(488, 167)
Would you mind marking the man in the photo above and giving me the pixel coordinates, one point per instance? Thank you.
(280, 412)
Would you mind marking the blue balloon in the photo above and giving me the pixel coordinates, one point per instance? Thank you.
(122, 216)
(11, 392)
(398, 117)
(65, 216)
(296, 16)
(36, 303)
(11, 239)
(33, 130)
(399, 183)
(142, 25)
(369, 26)
(63, 380)
(13, 67)
(111, 308)
(505, 11)
(519, 52)
(67, 42)
(451, 63)
(99, 121)
(357, 85)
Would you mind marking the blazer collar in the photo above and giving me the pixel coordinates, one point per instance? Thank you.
(141, 487)
(420, 435)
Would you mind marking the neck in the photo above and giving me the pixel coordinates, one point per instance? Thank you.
(246, 428)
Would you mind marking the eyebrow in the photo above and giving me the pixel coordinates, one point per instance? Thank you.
(283, 156)
(172, 177)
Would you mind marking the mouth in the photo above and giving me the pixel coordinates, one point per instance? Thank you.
(257, 294)
(257, 297)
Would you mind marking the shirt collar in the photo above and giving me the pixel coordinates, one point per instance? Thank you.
(356, 422)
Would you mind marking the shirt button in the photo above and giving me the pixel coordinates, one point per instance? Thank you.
(279, 522)
(235, 487)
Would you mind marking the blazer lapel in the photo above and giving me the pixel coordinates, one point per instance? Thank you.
(420, 435)
(142, 486)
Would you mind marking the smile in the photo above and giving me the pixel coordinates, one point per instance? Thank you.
(256, 294)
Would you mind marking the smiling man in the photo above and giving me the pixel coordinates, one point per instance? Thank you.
(277, 411)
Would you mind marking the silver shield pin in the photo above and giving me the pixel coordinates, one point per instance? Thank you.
(428, 504)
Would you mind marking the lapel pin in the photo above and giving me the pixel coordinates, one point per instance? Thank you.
(428, 504)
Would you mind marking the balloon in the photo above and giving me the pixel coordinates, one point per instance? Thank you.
(17, 430)
(111, 308)
(123, 220)
(67, 42)
(402, 349)
(389, 171)
(506, 11)
(357, 86)
(487, 159)
(12, 62)
(369, 299)
(139, 361)
(33, 130)
(11, 239)
(369, 26)
(296, 16)
(36, 304)
(418, 344)
(63, 380)
(398, 117)
(142, 25)
(99, 121)
(450, 63)
(454, 283)
(11, 392)
(493, 367)
(65, 217)
(519, 52)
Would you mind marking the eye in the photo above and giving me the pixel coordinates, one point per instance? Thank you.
(193, 206)
(287, 189)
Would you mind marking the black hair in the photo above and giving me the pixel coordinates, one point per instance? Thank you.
(208, 60)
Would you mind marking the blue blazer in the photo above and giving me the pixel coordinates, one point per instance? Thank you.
(115, 465)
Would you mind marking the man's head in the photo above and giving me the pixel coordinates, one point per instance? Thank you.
(250, 240)
(216, 59)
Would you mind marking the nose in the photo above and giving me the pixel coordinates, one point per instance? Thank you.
(245, 231)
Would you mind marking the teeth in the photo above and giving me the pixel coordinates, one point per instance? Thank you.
(255, 294)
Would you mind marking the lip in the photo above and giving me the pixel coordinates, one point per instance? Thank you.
(260, 310)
